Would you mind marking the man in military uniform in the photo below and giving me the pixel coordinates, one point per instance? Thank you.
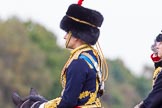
(154, 99)
(82, 76)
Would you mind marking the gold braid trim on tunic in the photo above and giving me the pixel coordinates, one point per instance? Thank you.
(93, 100)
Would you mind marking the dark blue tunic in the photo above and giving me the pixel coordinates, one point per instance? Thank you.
(154, 99)
(79, 78)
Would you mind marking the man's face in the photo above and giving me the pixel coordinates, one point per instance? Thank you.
(159, 49)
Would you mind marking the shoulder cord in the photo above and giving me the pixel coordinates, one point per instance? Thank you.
(104, 65)
(94, 64)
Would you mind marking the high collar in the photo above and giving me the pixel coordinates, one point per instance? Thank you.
(79, 48)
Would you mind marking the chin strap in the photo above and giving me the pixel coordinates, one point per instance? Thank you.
(68, 38)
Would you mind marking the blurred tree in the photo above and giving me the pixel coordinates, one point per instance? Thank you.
(123, 89)
(25, 62)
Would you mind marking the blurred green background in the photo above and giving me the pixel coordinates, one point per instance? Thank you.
(30, 57)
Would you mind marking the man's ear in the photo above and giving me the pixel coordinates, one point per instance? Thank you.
(16, 98)
(33, 91)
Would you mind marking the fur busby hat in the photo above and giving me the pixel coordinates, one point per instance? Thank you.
(159, 37)
(83, 22)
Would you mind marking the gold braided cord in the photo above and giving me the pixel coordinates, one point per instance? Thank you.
(104, 65)
(81, 21)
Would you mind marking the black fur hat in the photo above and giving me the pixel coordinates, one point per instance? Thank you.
(159, 37)
(83, 23)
